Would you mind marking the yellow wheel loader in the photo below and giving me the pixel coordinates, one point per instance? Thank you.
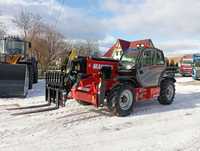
(18, 69)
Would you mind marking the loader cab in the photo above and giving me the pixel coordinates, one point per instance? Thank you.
(13, 46)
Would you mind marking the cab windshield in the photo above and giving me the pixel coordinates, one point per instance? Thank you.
(128, 59)
(196, 60)
(14, 47)
(187, 62)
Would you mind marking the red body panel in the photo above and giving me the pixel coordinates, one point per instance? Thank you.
(87, 90)
(142, 94)
(94, 66)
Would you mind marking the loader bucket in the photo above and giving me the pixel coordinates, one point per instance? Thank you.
(13, 80)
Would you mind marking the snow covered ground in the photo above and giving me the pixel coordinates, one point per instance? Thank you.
(84, 128)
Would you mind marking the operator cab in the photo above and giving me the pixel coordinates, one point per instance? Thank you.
(13, 46)
(146, 65)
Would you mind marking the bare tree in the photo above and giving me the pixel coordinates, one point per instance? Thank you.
(55, 44)
(67, 46)
(47, 43)
(50, 47)
(86, 48)
(32, 28)
(29, 23)
(2, 30)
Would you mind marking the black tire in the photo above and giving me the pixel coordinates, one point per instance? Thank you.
(167, 92)
(35, 70)
(83, 103)
(115, 100)
(30, 82)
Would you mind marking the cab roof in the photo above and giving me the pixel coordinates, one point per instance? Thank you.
(15, 38)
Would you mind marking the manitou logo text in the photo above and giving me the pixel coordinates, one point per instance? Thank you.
(99, 66)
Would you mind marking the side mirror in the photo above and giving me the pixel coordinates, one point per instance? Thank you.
(29, 44)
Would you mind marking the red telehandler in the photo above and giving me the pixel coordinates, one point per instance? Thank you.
(140, 75)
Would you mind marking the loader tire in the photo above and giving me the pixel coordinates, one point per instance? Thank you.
(35, 70)
(30, 77)
(83, 103)
(167, 92)
(121, 100)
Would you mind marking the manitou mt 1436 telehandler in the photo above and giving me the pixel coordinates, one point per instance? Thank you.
(140, 75)
(18, 69)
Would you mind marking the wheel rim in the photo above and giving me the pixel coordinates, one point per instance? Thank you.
(126, 99)
(169, 92)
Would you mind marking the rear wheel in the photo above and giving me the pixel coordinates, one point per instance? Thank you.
(121, 102)
(167, 92)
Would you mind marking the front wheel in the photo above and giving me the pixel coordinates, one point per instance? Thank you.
(167, 92)
(121, 101)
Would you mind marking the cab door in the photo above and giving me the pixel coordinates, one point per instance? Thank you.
(145, 73)
(151, 66)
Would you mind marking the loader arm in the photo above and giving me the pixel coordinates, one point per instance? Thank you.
(14, 59)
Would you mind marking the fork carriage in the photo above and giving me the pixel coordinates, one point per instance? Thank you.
(55, 88)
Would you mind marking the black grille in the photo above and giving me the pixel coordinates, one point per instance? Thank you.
(55, 79)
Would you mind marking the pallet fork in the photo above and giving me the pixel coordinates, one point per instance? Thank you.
(55, 94)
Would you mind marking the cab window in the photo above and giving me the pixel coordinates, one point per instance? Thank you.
(147, 58)
(159, 58)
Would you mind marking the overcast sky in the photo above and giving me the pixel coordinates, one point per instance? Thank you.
(173, 25)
